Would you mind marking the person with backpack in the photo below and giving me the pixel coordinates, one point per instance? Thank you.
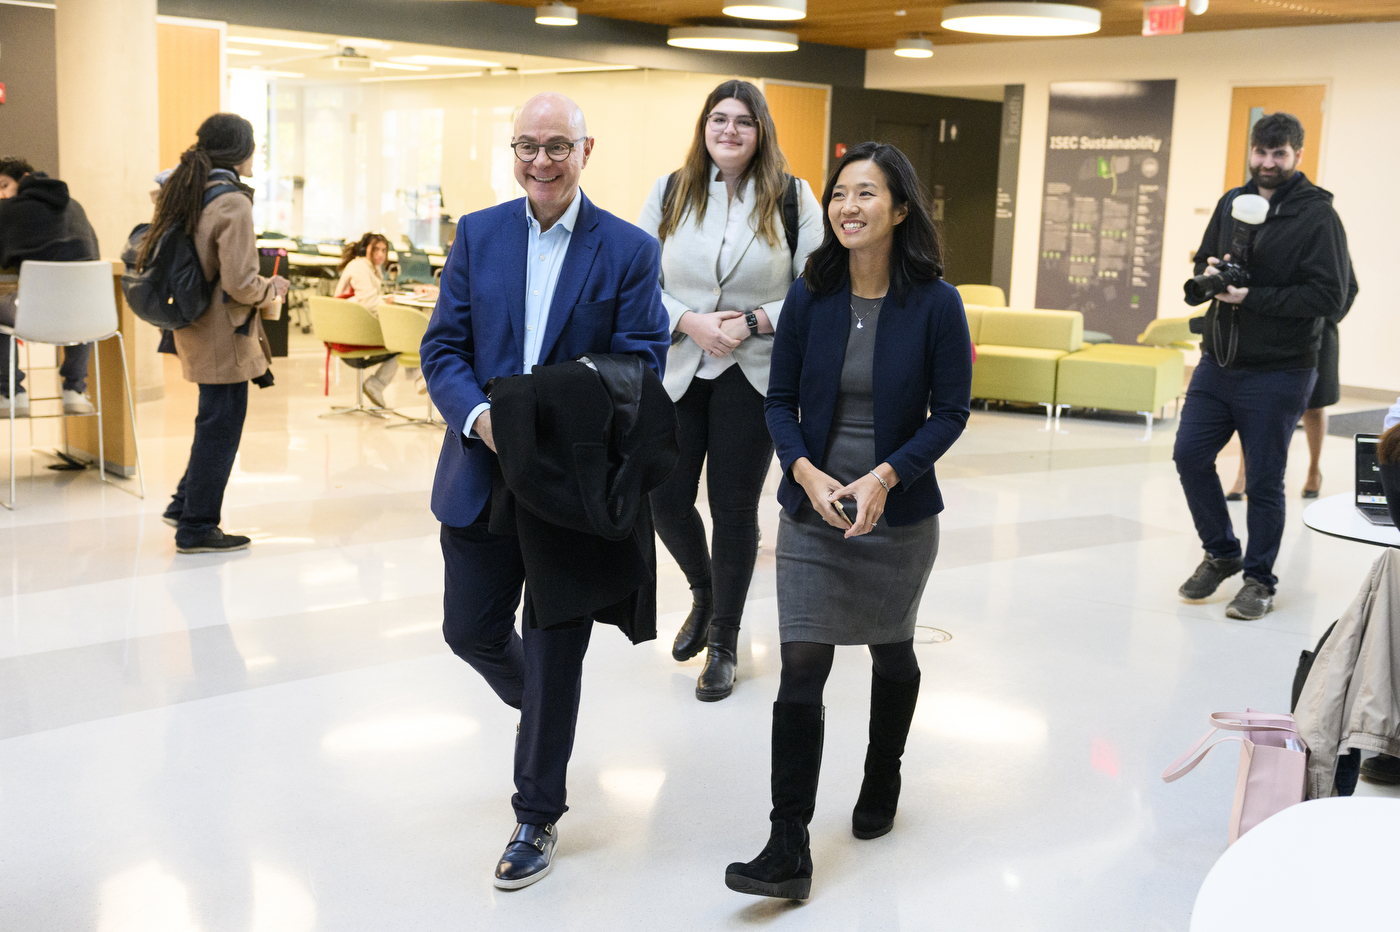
(224, 347)
(39, 220)
(735, 231)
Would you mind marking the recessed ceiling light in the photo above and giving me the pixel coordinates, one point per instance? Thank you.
(1021, 19)
(767, 9)
(914, 48)
(396, 66)
(444, 60)
(359, 43)
(730, 39)
(556, 14)
(277, 43)
(243, 51)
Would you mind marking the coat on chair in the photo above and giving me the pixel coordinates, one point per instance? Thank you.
(607, 301)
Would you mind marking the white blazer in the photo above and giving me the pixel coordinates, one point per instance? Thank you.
(758, 275)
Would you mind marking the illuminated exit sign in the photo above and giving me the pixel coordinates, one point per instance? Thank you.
(1163, 18)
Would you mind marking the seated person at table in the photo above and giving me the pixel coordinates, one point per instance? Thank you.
(38, 220)
(362, 281)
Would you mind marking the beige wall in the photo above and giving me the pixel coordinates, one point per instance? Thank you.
(1357, 62)
(336, 136)
(108, 129)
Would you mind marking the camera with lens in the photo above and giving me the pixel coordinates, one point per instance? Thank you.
(1249, 212)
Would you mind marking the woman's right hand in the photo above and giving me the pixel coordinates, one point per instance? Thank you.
(819, 486)
(280, 286)
(707, 333)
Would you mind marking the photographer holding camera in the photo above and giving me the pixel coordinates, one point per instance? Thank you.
(1273, 274)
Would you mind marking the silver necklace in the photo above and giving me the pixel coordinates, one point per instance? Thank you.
(860, 321)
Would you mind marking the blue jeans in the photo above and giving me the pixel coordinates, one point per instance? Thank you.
(1264, 407)
(218, 427)
(75, 358)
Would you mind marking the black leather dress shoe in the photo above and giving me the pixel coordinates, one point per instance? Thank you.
(528, 856)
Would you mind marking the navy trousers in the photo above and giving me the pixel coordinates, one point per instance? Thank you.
(540, 673)
(1264, 407)
(198, 502)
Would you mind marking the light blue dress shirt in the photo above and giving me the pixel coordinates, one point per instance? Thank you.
(546, 259)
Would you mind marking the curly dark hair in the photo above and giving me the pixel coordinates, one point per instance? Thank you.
(15, 167)
(360, 247)
(917, 252)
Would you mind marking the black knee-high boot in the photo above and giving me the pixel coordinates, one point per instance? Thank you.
(784, 867)
(891, 711)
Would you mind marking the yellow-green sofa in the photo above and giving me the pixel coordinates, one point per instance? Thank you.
(1118, 377)
(1018, 352)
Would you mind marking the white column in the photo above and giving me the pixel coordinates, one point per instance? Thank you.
(109, 129)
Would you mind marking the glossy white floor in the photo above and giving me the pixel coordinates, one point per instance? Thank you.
(279, 741)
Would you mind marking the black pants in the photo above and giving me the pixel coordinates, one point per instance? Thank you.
(721, 418)
(540, 673)
(218, 427)
(1264, 407)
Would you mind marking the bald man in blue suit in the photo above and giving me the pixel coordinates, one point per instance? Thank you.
(539, 280)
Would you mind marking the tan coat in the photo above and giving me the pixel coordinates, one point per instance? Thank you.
(1351, 698)
(211, 352)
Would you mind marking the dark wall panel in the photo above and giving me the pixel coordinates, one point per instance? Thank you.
(494, 27)
(29, 117)
(953, 144)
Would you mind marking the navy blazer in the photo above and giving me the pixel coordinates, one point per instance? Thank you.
(608, 300)
(922, 385)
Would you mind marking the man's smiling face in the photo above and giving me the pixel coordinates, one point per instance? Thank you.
(550, 185)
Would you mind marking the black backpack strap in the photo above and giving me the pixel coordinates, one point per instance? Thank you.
(790, 207)
(668, 193)
(218, 190)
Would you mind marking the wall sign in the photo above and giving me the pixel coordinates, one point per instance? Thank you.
(1104, 209)
(1008, 171)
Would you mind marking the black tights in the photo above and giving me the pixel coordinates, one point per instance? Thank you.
(806, 666)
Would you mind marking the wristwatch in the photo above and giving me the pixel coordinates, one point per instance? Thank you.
(751, 319)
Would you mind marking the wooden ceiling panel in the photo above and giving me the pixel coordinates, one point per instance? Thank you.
(876, 24)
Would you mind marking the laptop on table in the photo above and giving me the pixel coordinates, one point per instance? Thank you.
(1370, 497)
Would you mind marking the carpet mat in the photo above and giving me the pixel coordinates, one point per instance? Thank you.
(1357, 422)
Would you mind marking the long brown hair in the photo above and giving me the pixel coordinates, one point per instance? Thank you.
(361, 247)
(767, 169)
(224, 140)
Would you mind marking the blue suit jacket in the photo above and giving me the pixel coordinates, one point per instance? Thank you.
(923, 387)
(608, 300)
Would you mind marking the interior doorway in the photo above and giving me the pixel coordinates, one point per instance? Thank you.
(1307, 102)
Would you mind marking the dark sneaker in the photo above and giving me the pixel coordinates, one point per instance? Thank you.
(1382, 769)
(172, 520)
(1208, 577)
(216, 541)
(1253, 602)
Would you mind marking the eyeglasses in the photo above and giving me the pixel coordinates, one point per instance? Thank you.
(557, 151)
(718, 121)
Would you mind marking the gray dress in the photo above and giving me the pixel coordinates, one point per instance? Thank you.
(865, 590)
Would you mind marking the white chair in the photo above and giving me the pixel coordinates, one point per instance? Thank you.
(68, 304)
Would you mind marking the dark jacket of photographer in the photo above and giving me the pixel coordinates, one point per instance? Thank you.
(1299, 273)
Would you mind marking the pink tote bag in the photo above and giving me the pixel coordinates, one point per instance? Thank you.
(1273, 765)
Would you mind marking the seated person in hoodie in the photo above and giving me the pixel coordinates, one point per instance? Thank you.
(38, 220)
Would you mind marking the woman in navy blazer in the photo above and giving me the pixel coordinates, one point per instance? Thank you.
(870, 384)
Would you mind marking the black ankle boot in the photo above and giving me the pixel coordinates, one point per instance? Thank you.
(891, 711)
(784, 867)
(717, 678)
(690, 639)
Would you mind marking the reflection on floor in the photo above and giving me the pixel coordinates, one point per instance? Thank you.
(279, 740)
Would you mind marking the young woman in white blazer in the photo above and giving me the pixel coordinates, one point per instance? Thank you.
(730, 249)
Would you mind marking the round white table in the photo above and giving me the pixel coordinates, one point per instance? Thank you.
(1323, 864)
(1337, 515)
